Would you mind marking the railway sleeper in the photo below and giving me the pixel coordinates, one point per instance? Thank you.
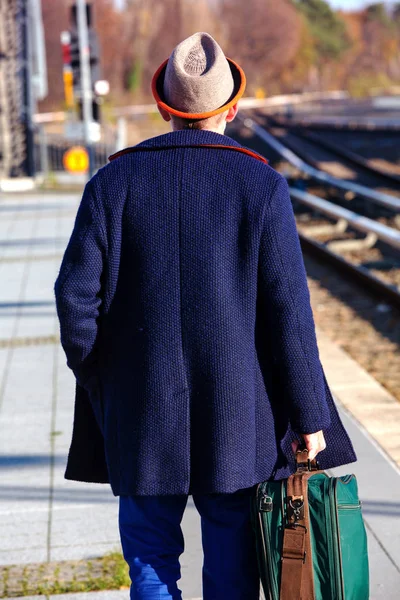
(357, 244)
(339, 227)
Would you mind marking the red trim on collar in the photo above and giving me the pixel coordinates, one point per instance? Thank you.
(215, 146)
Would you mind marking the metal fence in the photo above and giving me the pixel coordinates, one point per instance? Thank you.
(50, 150)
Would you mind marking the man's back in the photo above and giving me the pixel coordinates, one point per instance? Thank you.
(204, 318)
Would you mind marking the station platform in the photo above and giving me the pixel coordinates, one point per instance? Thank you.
(44, 517)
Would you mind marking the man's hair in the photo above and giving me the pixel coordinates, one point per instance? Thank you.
(210, 122)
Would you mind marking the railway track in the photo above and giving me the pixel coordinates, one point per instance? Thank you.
(344, 122)
(363, 249)
(373, 260)
(378, 149)
(385, 170)
(329, 157)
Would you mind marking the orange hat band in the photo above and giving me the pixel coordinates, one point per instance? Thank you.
(157, 85)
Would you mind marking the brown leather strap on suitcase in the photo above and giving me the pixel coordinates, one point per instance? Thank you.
(297, 581)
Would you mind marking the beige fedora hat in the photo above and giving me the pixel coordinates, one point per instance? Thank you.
(198, 81)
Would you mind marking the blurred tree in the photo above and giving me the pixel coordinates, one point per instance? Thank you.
(378, 12)
(290, 45)
(199, 15)
(301, 74)
(151, 30)
(355, 29)
(108, 25)
(107, 22)
(264, 36)
(374, 61)
(327, 28)
(135, 78)
(380, 39)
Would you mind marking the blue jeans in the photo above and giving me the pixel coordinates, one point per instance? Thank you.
(152, 541)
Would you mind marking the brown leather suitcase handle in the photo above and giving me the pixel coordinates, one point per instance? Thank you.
(303, 462)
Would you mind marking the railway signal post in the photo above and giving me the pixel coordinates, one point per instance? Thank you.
(81, 72)
(86, 84)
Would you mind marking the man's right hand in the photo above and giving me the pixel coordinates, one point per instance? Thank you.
(314, 442)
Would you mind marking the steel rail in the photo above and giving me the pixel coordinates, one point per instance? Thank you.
(303, 132)
(386, 234)
(362, 274)
(358, 273)
(386, 200)
(348, 123)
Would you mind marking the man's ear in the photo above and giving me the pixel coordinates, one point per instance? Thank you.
(165, 115)
(232, 112)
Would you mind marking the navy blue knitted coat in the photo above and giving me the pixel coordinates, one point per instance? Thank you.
(185, 316)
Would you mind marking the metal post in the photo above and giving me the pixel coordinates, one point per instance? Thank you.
(29, 101)
(44, 157)
(121, 136)
(39, 75)
(86, 85)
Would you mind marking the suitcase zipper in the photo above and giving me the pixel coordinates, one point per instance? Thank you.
(332, 532)
(264, 576)
(338, 554)
(267, 555)
(266, 570)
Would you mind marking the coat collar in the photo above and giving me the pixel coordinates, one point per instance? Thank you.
(188, 138)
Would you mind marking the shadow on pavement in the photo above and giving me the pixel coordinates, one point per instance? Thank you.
(26, 303)
(28, 460)
(34, 241)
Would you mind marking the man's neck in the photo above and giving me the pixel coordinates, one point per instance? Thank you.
(220, 130)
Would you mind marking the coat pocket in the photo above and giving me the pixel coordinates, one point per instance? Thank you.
(93, 388)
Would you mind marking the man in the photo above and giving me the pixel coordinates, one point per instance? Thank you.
(185, 316)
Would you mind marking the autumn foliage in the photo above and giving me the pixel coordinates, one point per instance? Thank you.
(284, 46)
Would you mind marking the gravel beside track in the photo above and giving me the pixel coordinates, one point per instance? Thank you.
(365, 327)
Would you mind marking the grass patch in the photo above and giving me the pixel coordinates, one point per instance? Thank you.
(110, 572)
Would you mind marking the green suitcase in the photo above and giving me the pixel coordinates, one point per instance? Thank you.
(311, 537)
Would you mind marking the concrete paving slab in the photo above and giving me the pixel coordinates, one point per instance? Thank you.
(86, 551)
(5, 223)
(21, 240)
(89, 527)
(40, 284)
(369, 402)
(3, 362)
(29, 381)
(24, 556)
(74, 520)
(23, 231)
(384, 578)
(11, 276)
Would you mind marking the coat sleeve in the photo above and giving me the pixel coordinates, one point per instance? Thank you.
(285, 301)
(78, 289)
